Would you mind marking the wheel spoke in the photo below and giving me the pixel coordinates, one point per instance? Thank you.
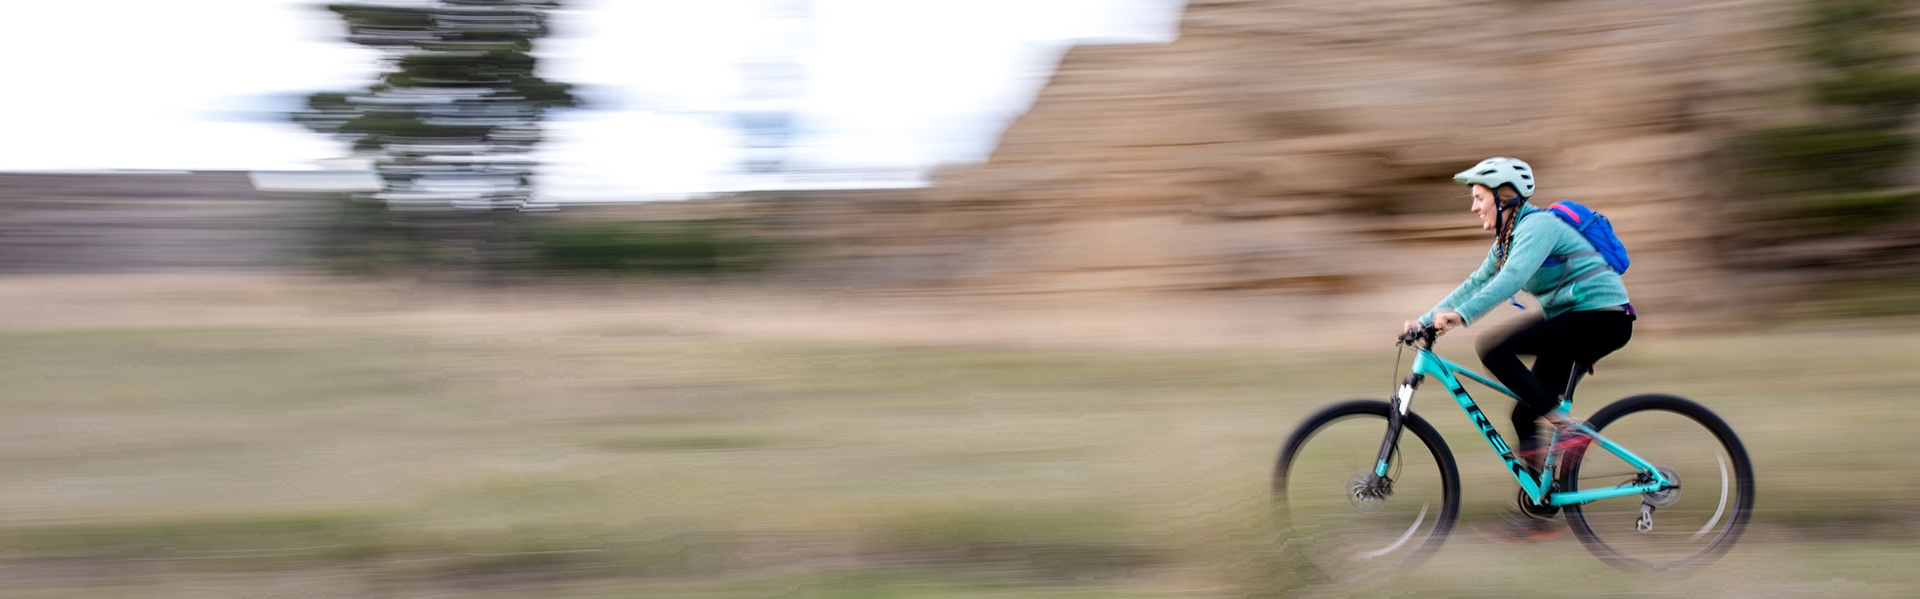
(1338, 524)
(1722, 508)
(1689, 443)
(1403, 536)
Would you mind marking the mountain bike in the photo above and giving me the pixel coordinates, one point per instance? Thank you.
(1353, 497)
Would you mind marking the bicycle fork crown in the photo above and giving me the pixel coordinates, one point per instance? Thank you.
(1403, 400)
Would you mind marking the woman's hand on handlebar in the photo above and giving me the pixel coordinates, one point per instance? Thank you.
(1443, 320)
(1416, 333)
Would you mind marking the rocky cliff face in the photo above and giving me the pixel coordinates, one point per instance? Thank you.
(1307, 145)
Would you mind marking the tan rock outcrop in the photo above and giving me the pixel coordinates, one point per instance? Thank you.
(1305, 144)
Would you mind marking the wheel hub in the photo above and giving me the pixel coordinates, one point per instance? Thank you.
(1664, 497)
(1368, 493)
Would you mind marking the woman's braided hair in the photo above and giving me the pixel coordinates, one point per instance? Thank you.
(1504, 225)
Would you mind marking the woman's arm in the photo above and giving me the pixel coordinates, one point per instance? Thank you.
(1467, 289)
(1531, 246)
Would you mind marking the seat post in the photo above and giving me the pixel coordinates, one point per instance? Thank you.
(1580, 370)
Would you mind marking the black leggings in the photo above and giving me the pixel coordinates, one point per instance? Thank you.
(1555, 343)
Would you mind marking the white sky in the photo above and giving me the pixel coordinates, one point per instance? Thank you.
(903, 84)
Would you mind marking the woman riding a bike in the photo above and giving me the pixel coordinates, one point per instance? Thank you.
(1586, 314)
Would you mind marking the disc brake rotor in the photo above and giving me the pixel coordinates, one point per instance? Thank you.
(1664, 497)
(1363, 495)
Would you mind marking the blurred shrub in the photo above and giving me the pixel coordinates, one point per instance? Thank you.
(708, 245)
(1894, 91)
(1831, 155)
(1855, 33)
(363, 236)
(1827, 179)
(1839, 175)
(1866, 298)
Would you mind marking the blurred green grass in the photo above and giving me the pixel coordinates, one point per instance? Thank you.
(366, 459)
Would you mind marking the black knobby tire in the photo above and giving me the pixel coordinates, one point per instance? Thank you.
(1693, 525)
(1336, 537)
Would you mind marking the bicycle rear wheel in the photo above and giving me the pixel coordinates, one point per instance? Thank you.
(1330, 524)
(1691, 525)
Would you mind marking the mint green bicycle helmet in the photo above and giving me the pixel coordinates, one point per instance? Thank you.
(1499, 170)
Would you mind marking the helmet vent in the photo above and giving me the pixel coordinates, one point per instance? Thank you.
(1519, 168)
(1489, 171)
(1527, 177)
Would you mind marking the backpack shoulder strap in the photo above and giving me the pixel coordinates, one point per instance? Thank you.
(1567, 213)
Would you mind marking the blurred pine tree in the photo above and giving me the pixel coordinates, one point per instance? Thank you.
(450, 127)
(452, 122)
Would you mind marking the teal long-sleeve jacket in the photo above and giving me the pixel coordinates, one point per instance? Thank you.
(1565, 287)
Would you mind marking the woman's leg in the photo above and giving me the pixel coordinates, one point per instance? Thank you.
(1555, 343)
(1553, 370)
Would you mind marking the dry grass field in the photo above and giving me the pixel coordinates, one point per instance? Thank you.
(235, 437)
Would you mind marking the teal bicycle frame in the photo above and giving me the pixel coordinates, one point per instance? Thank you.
(1429, 364)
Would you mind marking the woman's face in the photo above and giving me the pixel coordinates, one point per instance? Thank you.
(1485, 205)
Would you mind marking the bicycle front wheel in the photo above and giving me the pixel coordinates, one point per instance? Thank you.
(1691, 525)
(1333, 523)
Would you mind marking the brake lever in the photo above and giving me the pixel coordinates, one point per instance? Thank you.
(1428, 334)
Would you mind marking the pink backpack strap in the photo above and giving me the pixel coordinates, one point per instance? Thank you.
(1565, 210)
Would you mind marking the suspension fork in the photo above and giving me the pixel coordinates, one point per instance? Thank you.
(1397, 411)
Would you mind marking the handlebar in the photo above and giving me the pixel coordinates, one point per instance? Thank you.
(1425, 334)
